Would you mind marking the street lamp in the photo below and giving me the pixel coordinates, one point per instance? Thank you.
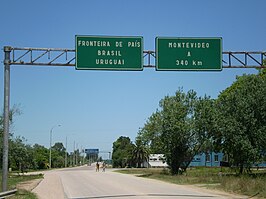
(66, 161)
(66, 154)
(50, 157)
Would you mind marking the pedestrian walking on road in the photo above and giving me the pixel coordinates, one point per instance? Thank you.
(104, 165)
(97, 167)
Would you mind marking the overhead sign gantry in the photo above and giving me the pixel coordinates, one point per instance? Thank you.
(122, 53)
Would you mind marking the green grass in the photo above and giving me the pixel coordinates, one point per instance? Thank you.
(13, 180)
(247, 185)
(23, 194)
(227, 180)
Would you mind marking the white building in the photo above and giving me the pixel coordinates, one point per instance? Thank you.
(156, 161)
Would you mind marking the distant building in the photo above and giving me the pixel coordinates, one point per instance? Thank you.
(202, 159)
(211, 159)
(156, 161)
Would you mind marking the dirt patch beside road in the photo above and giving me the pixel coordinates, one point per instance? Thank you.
(29, 185)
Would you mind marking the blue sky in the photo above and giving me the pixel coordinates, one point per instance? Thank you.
(96, 107)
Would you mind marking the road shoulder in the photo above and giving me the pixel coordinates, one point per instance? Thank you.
(50, 187)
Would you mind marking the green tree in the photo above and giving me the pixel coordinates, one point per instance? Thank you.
(242, 119)
(21, 155)
(140, 153)
(206, 124)
(122, 152)
(150, 134)
(15, 110)
(40, 155)
(58, 161)
(178, 132)
(181, 128)
(58, 155)
(59, 148)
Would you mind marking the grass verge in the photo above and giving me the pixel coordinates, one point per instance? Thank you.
(227, 180)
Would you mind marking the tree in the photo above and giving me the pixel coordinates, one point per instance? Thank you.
(140, 153)
(122, 152)
(15, 110)
(40, 155)
(150, 134)
(59, 148)
(206, 124)
(178, 133)
(58, 155)
(21, 155)
(242, 117)
(58, 161)
(180, 129)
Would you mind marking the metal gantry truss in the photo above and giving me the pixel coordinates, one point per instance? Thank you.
(244, 59)
(42, 56)
(67, 57)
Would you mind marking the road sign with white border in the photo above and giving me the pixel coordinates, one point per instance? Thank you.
(184, 53)
(109, 53)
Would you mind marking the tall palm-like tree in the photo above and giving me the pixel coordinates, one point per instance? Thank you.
(140, 153)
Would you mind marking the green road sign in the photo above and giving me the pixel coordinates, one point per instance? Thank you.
(109, 53)
(188, 53)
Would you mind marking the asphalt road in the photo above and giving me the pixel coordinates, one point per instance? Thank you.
(85, 183)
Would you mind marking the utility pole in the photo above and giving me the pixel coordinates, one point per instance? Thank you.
(50, 155)
(7, 51)
(66, 154)
(74, 154)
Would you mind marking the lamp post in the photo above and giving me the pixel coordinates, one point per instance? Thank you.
(66, 154)
(50, 157)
